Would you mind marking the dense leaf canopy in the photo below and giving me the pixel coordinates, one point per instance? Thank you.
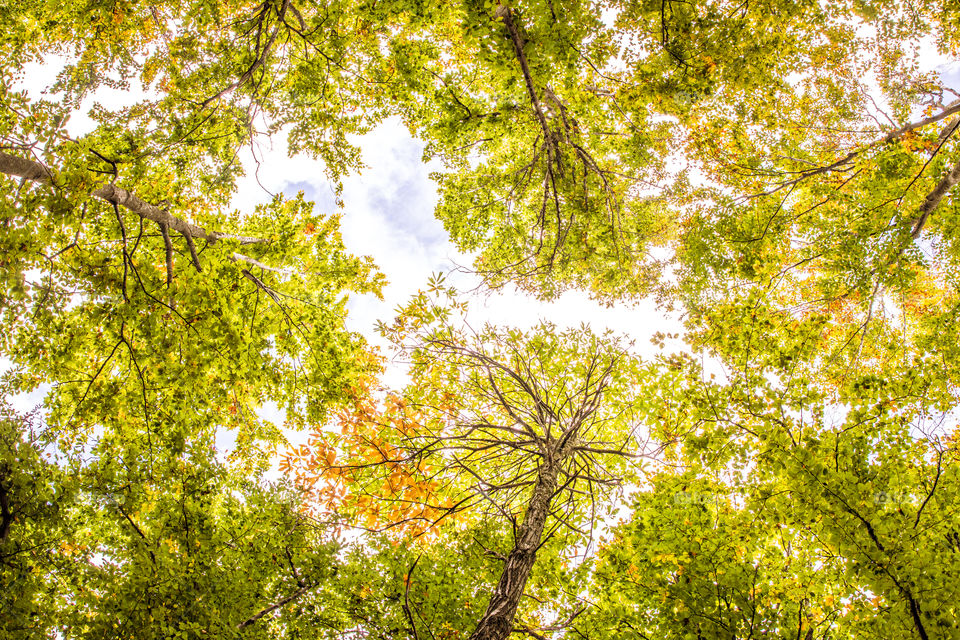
(780, 176)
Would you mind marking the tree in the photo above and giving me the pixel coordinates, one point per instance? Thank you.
(209, 553)
(147, 367)
(573, 139)
(779, 478)
(33, 498)
(399, 590)
(555, 125)
(825, 199)
(159, 322)
(534, 430)
(730, 570)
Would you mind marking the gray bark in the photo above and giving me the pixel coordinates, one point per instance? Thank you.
(932, 201)
(34, 171)
(497, 621)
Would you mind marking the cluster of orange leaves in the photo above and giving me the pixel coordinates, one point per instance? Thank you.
(912, 142)
(362, 474)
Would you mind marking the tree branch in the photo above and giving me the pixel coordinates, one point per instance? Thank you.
(261, 58)
(168, 248)
(34, 171)
(239, 257)
(255, 617)
(504, 13)
(934, 198)
(951, 109)
(936, 481)
(406, 600)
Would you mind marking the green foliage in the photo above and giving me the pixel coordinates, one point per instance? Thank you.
(153, 344)
(794, 513)
(695, 563)
(186, 548)
(36, 496)
(782, 172)
(386, 584)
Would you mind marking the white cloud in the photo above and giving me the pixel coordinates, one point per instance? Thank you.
(388, 213)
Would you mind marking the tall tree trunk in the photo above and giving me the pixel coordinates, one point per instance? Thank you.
(497, 621)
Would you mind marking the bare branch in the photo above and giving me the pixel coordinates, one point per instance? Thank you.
(239, 257)
(406, 600)
(255, 617)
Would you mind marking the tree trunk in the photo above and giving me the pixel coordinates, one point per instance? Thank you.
(497, 621)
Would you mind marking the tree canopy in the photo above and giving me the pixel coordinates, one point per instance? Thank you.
(779, 176)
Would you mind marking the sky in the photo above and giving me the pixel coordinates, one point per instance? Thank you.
(388, 214)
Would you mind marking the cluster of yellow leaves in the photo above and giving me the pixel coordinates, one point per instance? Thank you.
(898, 314)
